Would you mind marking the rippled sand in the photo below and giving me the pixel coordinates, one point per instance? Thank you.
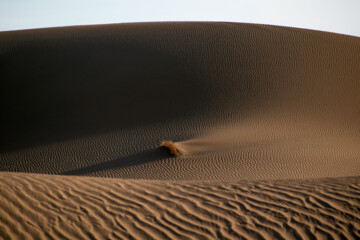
(266, 120)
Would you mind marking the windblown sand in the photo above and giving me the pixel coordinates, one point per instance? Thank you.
(266, 120)
(45, 207)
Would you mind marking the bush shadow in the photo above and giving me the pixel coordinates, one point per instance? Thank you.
(139, 158)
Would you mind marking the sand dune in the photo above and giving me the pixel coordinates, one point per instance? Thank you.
(266, 119)
(98, 100)
(45, 207)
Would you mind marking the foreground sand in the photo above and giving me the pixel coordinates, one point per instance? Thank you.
(266, 119)
(46, 207)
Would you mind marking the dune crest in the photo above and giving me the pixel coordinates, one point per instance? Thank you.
(57, 207)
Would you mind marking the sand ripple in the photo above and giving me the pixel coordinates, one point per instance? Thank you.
(42, 206)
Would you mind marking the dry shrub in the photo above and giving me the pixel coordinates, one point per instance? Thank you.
(171, 146)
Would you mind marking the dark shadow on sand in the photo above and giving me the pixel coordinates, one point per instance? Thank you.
(59, 89)
(147, 156)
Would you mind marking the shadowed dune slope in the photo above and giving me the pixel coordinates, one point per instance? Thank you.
(57, 207)
(98, 100)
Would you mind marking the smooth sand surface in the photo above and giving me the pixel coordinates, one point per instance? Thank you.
(249, 107)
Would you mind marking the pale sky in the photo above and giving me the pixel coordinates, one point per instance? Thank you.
(340, 16)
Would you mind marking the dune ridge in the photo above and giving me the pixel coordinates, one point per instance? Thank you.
(44, 206)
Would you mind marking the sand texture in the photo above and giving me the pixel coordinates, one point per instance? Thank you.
(265, 121)
(59, 207)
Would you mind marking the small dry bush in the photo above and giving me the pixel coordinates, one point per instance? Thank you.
(171, 146)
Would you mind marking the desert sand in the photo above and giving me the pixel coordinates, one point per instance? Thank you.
(265, 121)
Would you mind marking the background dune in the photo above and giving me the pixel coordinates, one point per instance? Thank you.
(267, 119)
(98, 100)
